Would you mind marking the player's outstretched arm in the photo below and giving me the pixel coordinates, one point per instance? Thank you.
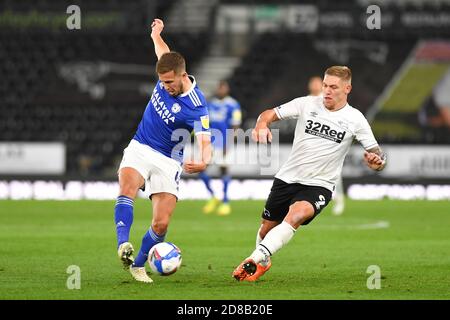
(262, 133)
(375, 158)
(160, 46)
(204, 143)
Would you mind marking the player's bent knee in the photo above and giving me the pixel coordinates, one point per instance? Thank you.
(298, 218)
(130, 180)
(299, 214)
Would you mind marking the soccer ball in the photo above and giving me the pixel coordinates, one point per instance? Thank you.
(164, 258)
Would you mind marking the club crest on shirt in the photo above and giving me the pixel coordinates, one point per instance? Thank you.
(176, 108)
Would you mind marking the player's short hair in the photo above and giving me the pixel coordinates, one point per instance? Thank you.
(342, 72)
(171, 61)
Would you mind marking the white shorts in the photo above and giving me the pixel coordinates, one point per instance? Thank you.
(161, 173)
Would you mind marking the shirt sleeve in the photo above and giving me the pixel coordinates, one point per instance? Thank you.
(364, 134)
(291, 109)
(201, 124)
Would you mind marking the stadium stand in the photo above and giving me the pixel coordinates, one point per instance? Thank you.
(88, 89)
(284, 63)
(85, 89)
(47, 108)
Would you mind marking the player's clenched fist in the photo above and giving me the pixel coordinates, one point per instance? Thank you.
(373, 160)
(194, 167)
(157, 27)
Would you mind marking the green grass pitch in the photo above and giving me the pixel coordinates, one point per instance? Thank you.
(328, 259)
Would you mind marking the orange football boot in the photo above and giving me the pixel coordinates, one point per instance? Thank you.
(248, 270)
(245, 269)
(260, 270)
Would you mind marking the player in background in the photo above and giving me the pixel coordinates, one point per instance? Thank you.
(315, 86)
(303, 186)
(315, 89)
(153, 159)
(224, 113)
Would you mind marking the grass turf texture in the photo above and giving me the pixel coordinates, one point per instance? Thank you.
(327, 259)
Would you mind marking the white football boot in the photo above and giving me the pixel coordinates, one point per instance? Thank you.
(125, 253)
(139, 274)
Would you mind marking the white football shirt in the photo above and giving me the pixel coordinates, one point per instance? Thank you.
(322, 140)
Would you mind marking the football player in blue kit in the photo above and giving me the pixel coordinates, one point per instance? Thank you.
(225, 117)
(154, 157)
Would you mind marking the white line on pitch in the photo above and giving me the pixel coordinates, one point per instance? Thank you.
(376, 225)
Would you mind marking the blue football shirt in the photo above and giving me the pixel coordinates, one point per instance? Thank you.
(223, 114)
(168, 121)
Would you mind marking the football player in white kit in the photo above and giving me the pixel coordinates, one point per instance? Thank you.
(326, 127)
(315, 89)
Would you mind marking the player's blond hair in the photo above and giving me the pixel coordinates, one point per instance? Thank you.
(342, 72)
(171, 61)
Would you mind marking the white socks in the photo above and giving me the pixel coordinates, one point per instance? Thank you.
(265, 261)
(273, 241)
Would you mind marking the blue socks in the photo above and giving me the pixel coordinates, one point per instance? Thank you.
(207, 180)
(148, 241)
(123, 217)
(226, 180)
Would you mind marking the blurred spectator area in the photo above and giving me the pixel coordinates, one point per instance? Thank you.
(89, 88)
(278, 66)
(415, 104)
